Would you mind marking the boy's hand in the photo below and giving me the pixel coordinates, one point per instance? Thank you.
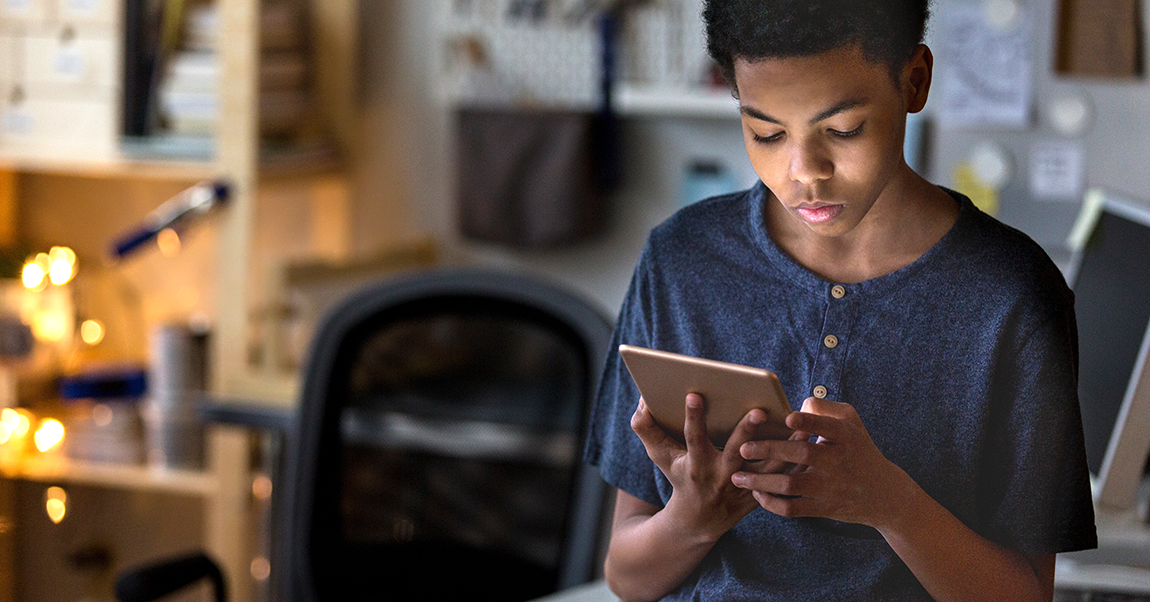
(843, 476)
(704, 500)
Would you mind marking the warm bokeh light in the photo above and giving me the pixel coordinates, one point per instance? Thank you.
(49, 326)
(92, 331)
(56, 503)
(262, 487)
(56, 493)
(17, 422)
(62, 254)
(60, 272)
(5, 432)
(168, 240)
(33, 275)
(260, 568)
(49, 435)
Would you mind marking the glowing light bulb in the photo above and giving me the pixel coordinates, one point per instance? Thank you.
(92, 332)
(56, 503)
(49, 327)
(33, 275)
(60, 272)
(23, 423)
(10, 419)
(168, 240)
(49, 435)
(62, 254)
(56, 493)
(61, 265)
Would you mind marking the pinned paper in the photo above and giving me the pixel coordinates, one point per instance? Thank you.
(983, 195)
(986, 78)
(1057, 170)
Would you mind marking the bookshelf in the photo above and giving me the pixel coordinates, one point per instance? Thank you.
(255, 174)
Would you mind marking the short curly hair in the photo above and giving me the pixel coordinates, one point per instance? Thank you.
(888, 31)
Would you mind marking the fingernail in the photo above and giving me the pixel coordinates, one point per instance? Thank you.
(757, 418)
(739, 479)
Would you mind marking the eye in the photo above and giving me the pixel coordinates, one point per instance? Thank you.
(767, 139)
(850, 134)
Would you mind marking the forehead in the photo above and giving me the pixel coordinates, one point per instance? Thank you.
(814, 81)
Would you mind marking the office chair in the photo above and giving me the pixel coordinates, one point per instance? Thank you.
(161, 578)
(438, 442)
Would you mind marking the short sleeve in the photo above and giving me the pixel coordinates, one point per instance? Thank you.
(612, 446)
(1038, 462)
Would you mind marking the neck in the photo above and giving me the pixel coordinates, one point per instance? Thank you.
(907, 219)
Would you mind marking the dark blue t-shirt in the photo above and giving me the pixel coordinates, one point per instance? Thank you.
(962, 366)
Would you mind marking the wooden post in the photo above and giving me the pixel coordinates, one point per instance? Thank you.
(237, 153)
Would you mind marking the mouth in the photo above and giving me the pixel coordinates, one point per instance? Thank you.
(819, 212)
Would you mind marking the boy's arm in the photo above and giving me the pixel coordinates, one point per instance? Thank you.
(653, 549)
(847, 478)
(650, 553)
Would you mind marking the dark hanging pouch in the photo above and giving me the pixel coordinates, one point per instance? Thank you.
(528, 178)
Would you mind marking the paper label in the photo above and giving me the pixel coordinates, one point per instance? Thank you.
(1057, 171)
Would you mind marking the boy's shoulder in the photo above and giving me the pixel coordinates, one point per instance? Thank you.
(715, 220)
(990, 254)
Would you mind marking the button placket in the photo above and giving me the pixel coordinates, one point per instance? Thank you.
(826, 375)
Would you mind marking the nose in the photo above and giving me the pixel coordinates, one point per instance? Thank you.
(809, 162)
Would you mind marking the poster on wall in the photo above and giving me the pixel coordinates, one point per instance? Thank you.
(984, 68)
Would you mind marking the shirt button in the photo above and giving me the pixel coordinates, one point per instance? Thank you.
(820, 392)
(831, 341)
(838, 291)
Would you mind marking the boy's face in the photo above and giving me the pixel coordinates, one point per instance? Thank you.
(825, 132)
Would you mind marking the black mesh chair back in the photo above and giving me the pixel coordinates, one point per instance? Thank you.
(438, 444)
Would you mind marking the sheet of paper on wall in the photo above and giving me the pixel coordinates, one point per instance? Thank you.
(1099, 38)
(1057, 170)
(984, 68)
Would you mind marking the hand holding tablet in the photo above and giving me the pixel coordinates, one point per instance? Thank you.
(729, 391)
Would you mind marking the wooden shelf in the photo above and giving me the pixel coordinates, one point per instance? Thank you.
(643, 100)
(55, 469)
(107, 165)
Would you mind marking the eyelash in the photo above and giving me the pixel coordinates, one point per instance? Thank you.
(776, 137)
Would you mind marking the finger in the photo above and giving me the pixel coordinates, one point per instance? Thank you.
(787, 507)
(744, 432)
(695, 426)
(828, 427)
(791, 485)
(826, 407)
(660, 446)
(793, 452)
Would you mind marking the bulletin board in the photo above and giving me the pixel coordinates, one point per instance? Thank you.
(550, 52)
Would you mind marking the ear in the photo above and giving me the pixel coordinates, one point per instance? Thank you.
(916, 79)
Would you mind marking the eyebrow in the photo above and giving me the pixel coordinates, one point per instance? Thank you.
(841, 107)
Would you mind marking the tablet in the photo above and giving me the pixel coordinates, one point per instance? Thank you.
(729, 391)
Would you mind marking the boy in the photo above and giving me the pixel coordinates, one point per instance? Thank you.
(938, 453)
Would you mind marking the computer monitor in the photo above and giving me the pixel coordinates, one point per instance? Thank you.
(1110, 276)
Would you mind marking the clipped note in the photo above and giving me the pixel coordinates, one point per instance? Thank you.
(983, 195)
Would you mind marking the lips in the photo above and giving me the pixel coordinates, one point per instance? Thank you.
(818, 212)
